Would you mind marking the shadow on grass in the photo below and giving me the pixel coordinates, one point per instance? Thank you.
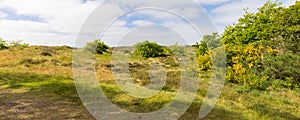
(58, 86)
(36, 96)
(56, 97)
(217, 113)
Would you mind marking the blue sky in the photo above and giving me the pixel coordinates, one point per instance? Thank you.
(58, 22)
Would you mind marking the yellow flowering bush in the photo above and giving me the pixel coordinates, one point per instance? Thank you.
(204, 62)
(244, 64)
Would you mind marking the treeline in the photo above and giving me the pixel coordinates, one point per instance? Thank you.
(12, 44)
(262, 48)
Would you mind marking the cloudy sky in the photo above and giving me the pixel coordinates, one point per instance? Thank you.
(58, 22)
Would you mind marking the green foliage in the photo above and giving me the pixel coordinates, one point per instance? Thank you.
(202, 48)
(148, 49)
(209, 42)
(96, 47)
(261, 47)
(12, 44)
(254, 27)
(287, 24)
(272, 25)
(284, 67)
(3, 44)
(18, 44)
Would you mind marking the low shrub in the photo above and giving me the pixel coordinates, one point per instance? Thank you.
(18, 44)
(148, 49)
(3, 44)
(96, 47)
(284, 67)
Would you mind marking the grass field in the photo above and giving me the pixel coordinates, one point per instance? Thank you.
(36, 83)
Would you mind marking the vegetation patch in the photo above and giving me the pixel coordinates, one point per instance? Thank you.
(96, 47)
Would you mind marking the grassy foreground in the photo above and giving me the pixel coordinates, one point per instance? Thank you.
(36, 83)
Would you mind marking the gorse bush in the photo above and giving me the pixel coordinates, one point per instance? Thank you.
(96, 47)
(245, 66)
(148, 49)
(262, 47)
(210, 46)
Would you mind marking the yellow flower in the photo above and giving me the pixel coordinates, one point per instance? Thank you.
(250, 65)
(235, 59)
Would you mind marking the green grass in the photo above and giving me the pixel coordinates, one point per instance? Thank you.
(31, 89)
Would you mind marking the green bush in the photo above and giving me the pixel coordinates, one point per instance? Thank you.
(3, 44)
(284, 67)
(244, 64)
(18, 44)
(96, 47)
(148, 49)
(209, 42)
(262, 48)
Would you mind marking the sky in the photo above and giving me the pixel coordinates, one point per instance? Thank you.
(118, 22)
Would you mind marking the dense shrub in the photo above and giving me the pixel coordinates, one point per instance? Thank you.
(96, 47)
(285, 68)
(244, 64)
(12, 44)
(18, 44)
(3, 44)
(261, 48)
(209, 42)
(204, 62)
(148, 49)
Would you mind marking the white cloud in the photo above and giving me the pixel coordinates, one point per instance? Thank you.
(3, 15)
(160, 34)
(212, 2)
(142, 22)
(229, 13)
(62, 19)
(46, 9)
